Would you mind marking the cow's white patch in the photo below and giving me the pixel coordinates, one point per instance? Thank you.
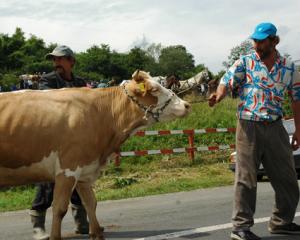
(169, 104)
(38, 171)
(76, 173)
(85, 173)
(48, 163)
(47, 169)
(51, 166)
(91, 172)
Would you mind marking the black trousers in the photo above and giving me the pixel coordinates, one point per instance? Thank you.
(44, 197)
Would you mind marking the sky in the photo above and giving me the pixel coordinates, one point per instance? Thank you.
(208, 29)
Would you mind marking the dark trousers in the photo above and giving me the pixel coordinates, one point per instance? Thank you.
(44, 197)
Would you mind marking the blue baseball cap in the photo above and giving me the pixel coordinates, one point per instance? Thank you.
(264, 30)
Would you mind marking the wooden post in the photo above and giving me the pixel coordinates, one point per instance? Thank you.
(191, 137)
(117, 160)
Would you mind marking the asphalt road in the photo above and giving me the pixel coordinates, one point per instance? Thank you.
(200, 215)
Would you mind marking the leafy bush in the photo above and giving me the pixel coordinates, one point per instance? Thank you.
(7, 81)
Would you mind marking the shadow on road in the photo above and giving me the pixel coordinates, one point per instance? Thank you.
(142, 234)
(282, 237)
(136, 234)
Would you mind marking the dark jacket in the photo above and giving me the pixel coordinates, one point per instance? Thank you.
(54, 80)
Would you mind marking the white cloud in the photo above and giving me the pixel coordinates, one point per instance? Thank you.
(208, 28)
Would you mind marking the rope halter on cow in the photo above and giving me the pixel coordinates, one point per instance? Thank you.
(153, 110)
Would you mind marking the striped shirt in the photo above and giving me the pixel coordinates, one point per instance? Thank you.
(261, 91)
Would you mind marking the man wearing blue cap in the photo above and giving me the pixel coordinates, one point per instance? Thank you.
(262, 78)
(63, 60)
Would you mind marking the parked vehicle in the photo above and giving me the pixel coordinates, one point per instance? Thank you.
(290, 127)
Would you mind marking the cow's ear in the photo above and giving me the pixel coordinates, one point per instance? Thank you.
(136, 76)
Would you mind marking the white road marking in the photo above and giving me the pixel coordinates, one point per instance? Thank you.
(201, 230)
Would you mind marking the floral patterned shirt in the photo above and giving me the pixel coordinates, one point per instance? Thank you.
(261, 91)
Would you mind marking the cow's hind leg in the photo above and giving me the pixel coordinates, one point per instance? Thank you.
(62, 193)
(88, 198)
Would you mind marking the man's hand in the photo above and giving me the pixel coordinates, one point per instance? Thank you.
(217, 96)
(212, 100)
(296, 135)
(296, 141)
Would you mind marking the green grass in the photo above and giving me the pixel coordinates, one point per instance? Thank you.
(16, 198)
(157, 174)
(161, 179)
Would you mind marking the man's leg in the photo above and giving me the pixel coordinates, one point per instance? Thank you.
(280, 167)
(245, 186)
(245, 176)
(40, 204)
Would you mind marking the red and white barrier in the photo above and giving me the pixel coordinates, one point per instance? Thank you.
(190, 150)
(176, 150)
(188, 131)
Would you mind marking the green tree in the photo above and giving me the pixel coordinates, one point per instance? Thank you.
(235, 53)
(11, 57)
(138, 59)
(35, 50)
(20, 56)
(8, 80)
(219, 75)
(175, 60)
(96, 59)
(118, 66)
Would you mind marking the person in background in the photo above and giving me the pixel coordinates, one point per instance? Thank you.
(62, 77)
(263, 77)
(21, 82)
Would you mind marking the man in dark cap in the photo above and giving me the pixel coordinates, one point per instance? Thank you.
(263, 78)
(63, 61)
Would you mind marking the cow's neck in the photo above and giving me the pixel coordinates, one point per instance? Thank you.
(134, 117)
(121, 115)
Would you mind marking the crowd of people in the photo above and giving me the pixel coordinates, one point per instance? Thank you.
(32, 81)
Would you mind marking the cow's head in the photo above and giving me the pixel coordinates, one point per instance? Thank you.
(158, 103)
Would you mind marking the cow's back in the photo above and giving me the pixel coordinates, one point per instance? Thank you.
(39, 130)
(34, 124)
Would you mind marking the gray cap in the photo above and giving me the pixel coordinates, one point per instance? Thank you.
(60, 51)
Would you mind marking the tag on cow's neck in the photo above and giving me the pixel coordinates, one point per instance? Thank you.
(142, 87)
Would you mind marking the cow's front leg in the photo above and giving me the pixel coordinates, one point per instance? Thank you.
(62, 193)
(88, 198)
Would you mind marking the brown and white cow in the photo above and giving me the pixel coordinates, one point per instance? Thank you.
(67, 135)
